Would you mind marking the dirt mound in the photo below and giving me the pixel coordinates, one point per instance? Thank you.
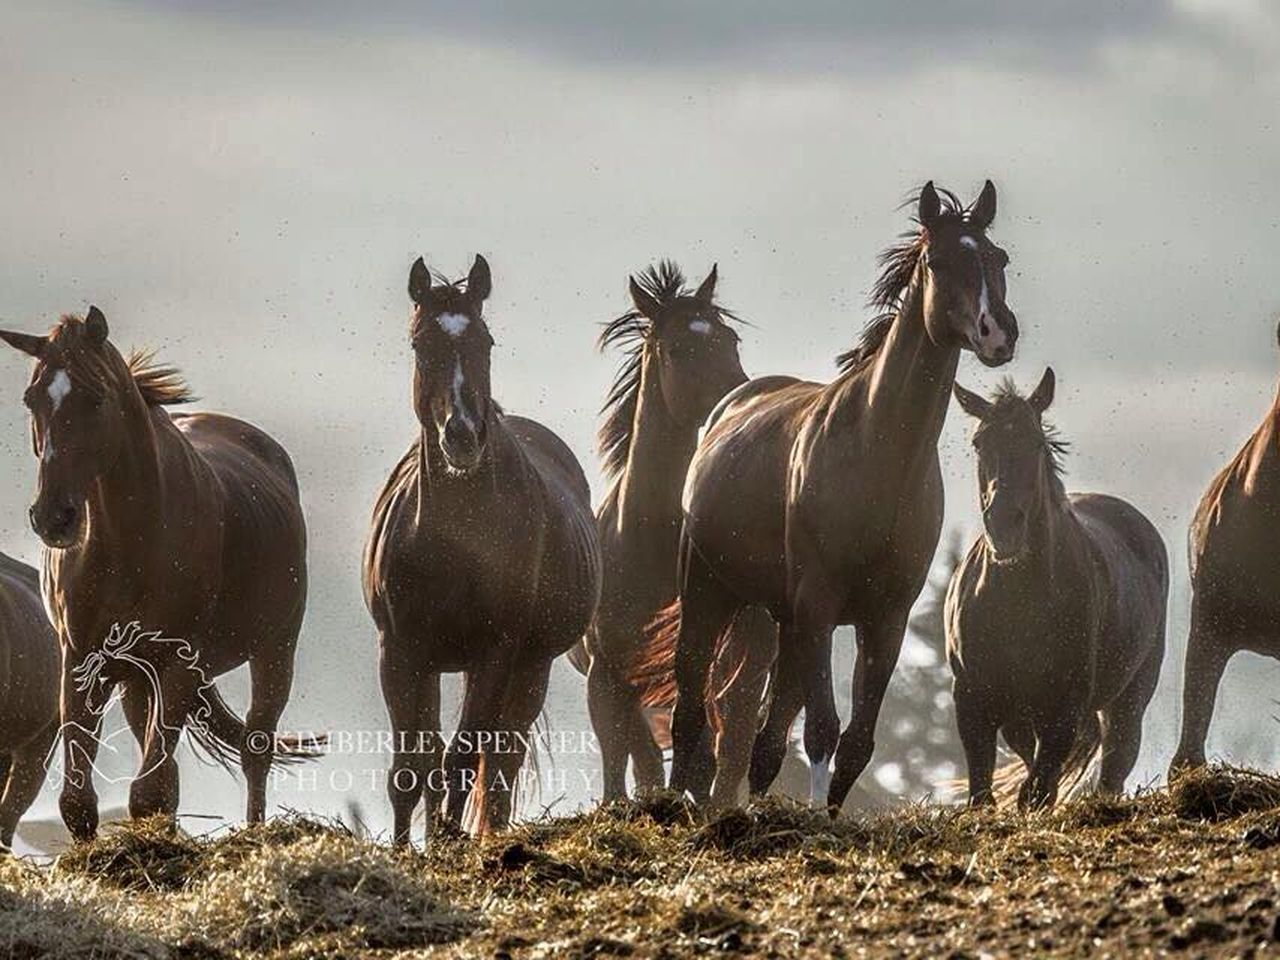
(1184, 869)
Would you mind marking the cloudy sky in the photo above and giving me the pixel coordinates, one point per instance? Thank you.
(244, 188)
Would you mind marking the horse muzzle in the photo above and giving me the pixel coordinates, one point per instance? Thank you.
(58, 525)
(462, 446)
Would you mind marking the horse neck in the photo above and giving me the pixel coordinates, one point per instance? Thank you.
(651, 484)
(457, 500)
(901, 400)
(127, 499)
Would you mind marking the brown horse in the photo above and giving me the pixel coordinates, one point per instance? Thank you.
(188, 525)
(823, 502)
(681, 357)
(482, 558)
(28, 691)
(1056, 617)
(1235, 578)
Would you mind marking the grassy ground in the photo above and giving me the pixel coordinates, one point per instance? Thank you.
(1193, 871)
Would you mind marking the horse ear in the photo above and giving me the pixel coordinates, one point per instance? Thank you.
(984, 208)
(930, 207)
(95, 324)
(28, 343)
(479, 281)
(646, 304)
(707, 291)
(970, 402)
(1042, 396)
(419, 282)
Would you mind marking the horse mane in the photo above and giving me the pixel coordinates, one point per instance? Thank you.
(665, 282)
(95, 370)
(897, 266)
(159, 384)
(1007, 397)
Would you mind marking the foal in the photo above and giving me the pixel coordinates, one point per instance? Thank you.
(482, 558)
(1056, 617)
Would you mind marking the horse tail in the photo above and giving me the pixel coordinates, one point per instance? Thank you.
(220, 735)
(1077, 769)
(652, 671)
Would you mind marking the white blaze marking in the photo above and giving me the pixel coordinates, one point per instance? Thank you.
(700, 326)
(454, 324)
(59, 387)
(458, 381)
(819, 783)
(48, 451)
(993, 336)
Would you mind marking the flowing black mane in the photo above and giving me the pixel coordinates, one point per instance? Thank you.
(665, 283)
(897, 267)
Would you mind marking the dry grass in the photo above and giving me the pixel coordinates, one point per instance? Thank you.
(1195, 868)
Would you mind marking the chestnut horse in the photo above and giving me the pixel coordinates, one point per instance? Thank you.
(28, 691)
(681, 357)
(482, 558)
(188, 524)
(1235, 578)
(1056, 617)
(823, 502)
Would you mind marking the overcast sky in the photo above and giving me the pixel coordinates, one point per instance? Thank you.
(244, 185)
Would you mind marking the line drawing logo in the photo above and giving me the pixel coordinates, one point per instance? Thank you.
(129, 650)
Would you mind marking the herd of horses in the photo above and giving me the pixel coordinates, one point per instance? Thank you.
(745, 520)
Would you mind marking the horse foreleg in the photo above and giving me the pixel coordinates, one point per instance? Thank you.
(978, 733)
(1055, 738)
(402, 691)
(1207, 656)
(878, 646)
(156, 790)
(482, 700)
(78, 800)
(786, 697)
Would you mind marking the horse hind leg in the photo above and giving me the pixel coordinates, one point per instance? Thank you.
(706, 610)
(612, 720)
(270, 683)
(1122, 725)
(749, 653)
(26, 775)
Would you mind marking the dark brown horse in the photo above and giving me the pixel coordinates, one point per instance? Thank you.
(28, 691)
(1056, 617)
(681, 357)
(188, 525)
(1235, 578)
(482, 558)
(823, 502)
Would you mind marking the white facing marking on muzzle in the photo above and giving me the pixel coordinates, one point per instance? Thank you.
(454, 324)
(700, 326)
(59, 387)
(458, 403)
(819, 783)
